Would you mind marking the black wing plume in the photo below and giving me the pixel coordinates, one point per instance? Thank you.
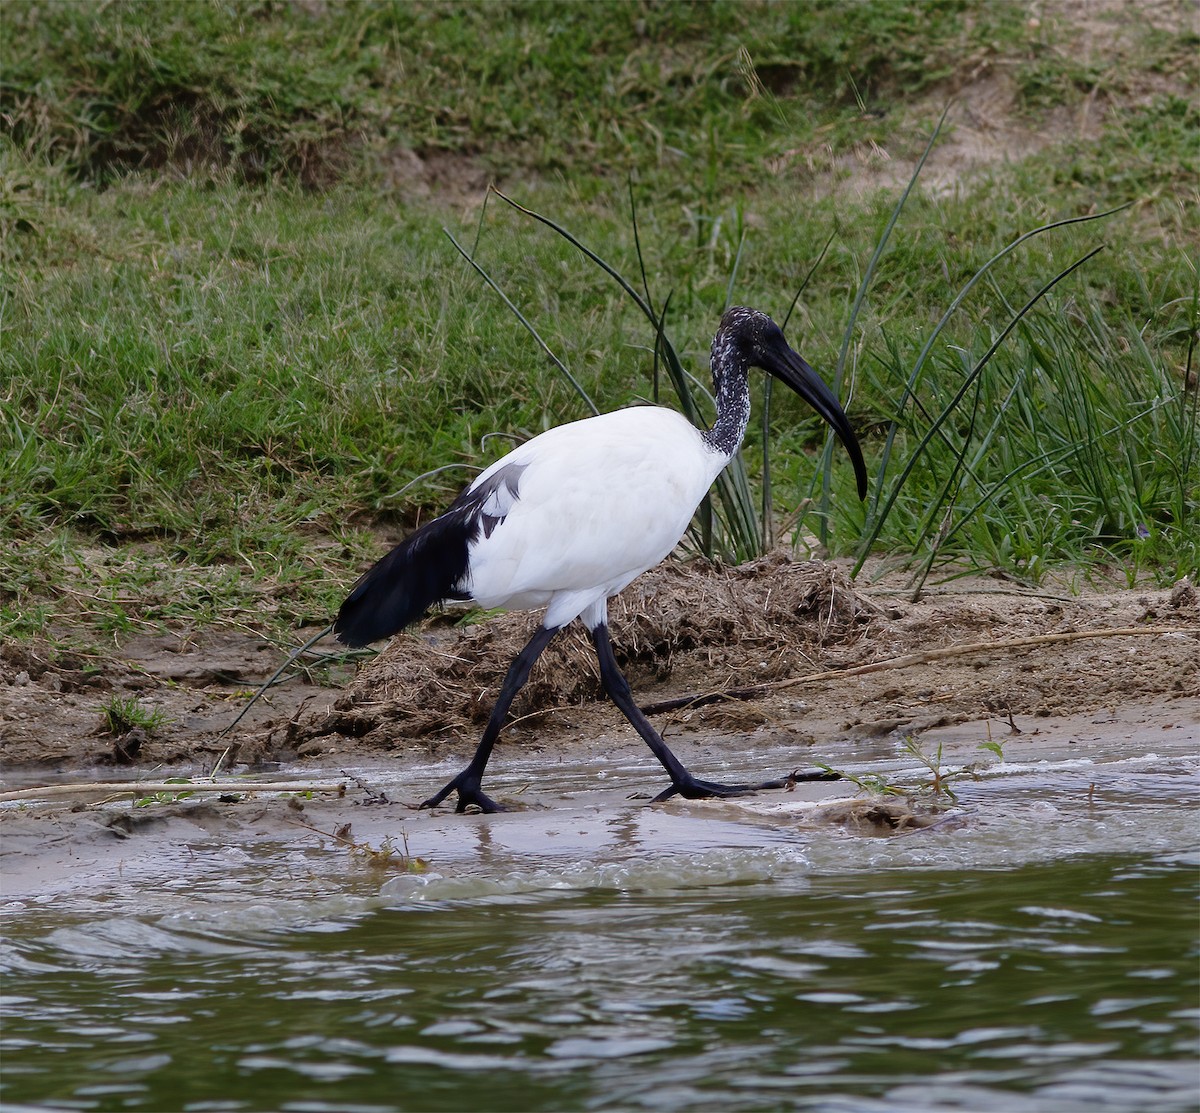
(417, 574)
(426, 568)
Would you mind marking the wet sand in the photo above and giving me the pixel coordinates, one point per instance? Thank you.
(590, 805)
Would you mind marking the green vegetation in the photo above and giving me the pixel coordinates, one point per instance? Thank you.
(236, 342)
(119, 715)
(153, 798)
(930, 784)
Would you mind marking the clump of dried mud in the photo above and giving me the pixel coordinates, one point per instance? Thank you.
(758, 631)
(782, 636)
(677, 624)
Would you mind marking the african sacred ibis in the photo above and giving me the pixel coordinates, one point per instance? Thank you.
(574, 515)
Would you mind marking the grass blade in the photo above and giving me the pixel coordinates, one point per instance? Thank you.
(855, 309)
(909, 393)
(521, 317)
(949, 409)
(744, 538)
(768, 517)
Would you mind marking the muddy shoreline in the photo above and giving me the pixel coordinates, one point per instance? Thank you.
(562, 803)
(812, 656)
(1129, 689)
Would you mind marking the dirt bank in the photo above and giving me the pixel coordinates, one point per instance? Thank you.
(825, 671)
(786, 637)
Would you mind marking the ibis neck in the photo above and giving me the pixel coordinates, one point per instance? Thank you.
(733, 409)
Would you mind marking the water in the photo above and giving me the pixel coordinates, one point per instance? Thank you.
(1037, 951)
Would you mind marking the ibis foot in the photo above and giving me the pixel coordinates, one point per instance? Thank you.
(469, 794)
(692, 788)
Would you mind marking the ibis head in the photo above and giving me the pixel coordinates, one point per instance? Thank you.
(749, 338)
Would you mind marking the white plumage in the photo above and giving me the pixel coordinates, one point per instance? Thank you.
(601, 501)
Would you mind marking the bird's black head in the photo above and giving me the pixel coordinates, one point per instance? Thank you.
(749, 338)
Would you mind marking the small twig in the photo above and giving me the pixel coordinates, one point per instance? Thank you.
(703, 699)
(111, 788)
(375, 797)
(341, 836)
(909, 659)
(259, 694)
(939, 591)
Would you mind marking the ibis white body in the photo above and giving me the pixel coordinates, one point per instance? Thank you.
(598, 502)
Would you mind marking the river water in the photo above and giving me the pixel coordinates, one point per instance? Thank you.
(1036, 949)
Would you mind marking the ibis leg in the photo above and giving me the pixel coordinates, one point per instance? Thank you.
(467, 783)
(682, 782)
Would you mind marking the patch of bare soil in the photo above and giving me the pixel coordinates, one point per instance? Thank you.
(758, 631)
(52, 701)
(878, 663)
(452, 177)
(986, 126)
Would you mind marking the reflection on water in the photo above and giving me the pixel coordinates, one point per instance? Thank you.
(731, 980)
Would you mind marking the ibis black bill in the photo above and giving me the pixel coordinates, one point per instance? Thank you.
(791, 369)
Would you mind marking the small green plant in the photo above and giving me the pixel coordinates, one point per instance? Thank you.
(120, 715)
(937, 786)
(153, 798)
(388, 857)
(875, 784)
(934, 786)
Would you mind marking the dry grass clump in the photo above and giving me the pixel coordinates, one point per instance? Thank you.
(683, 623)
(699, 628)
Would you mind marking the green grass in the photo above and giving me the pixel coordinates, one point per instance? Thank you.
(265, 89)
(119, 715)
(231, 342)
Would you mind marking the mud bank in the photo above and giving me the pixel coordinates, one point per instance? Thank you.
(789, 653)
(865, 681)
